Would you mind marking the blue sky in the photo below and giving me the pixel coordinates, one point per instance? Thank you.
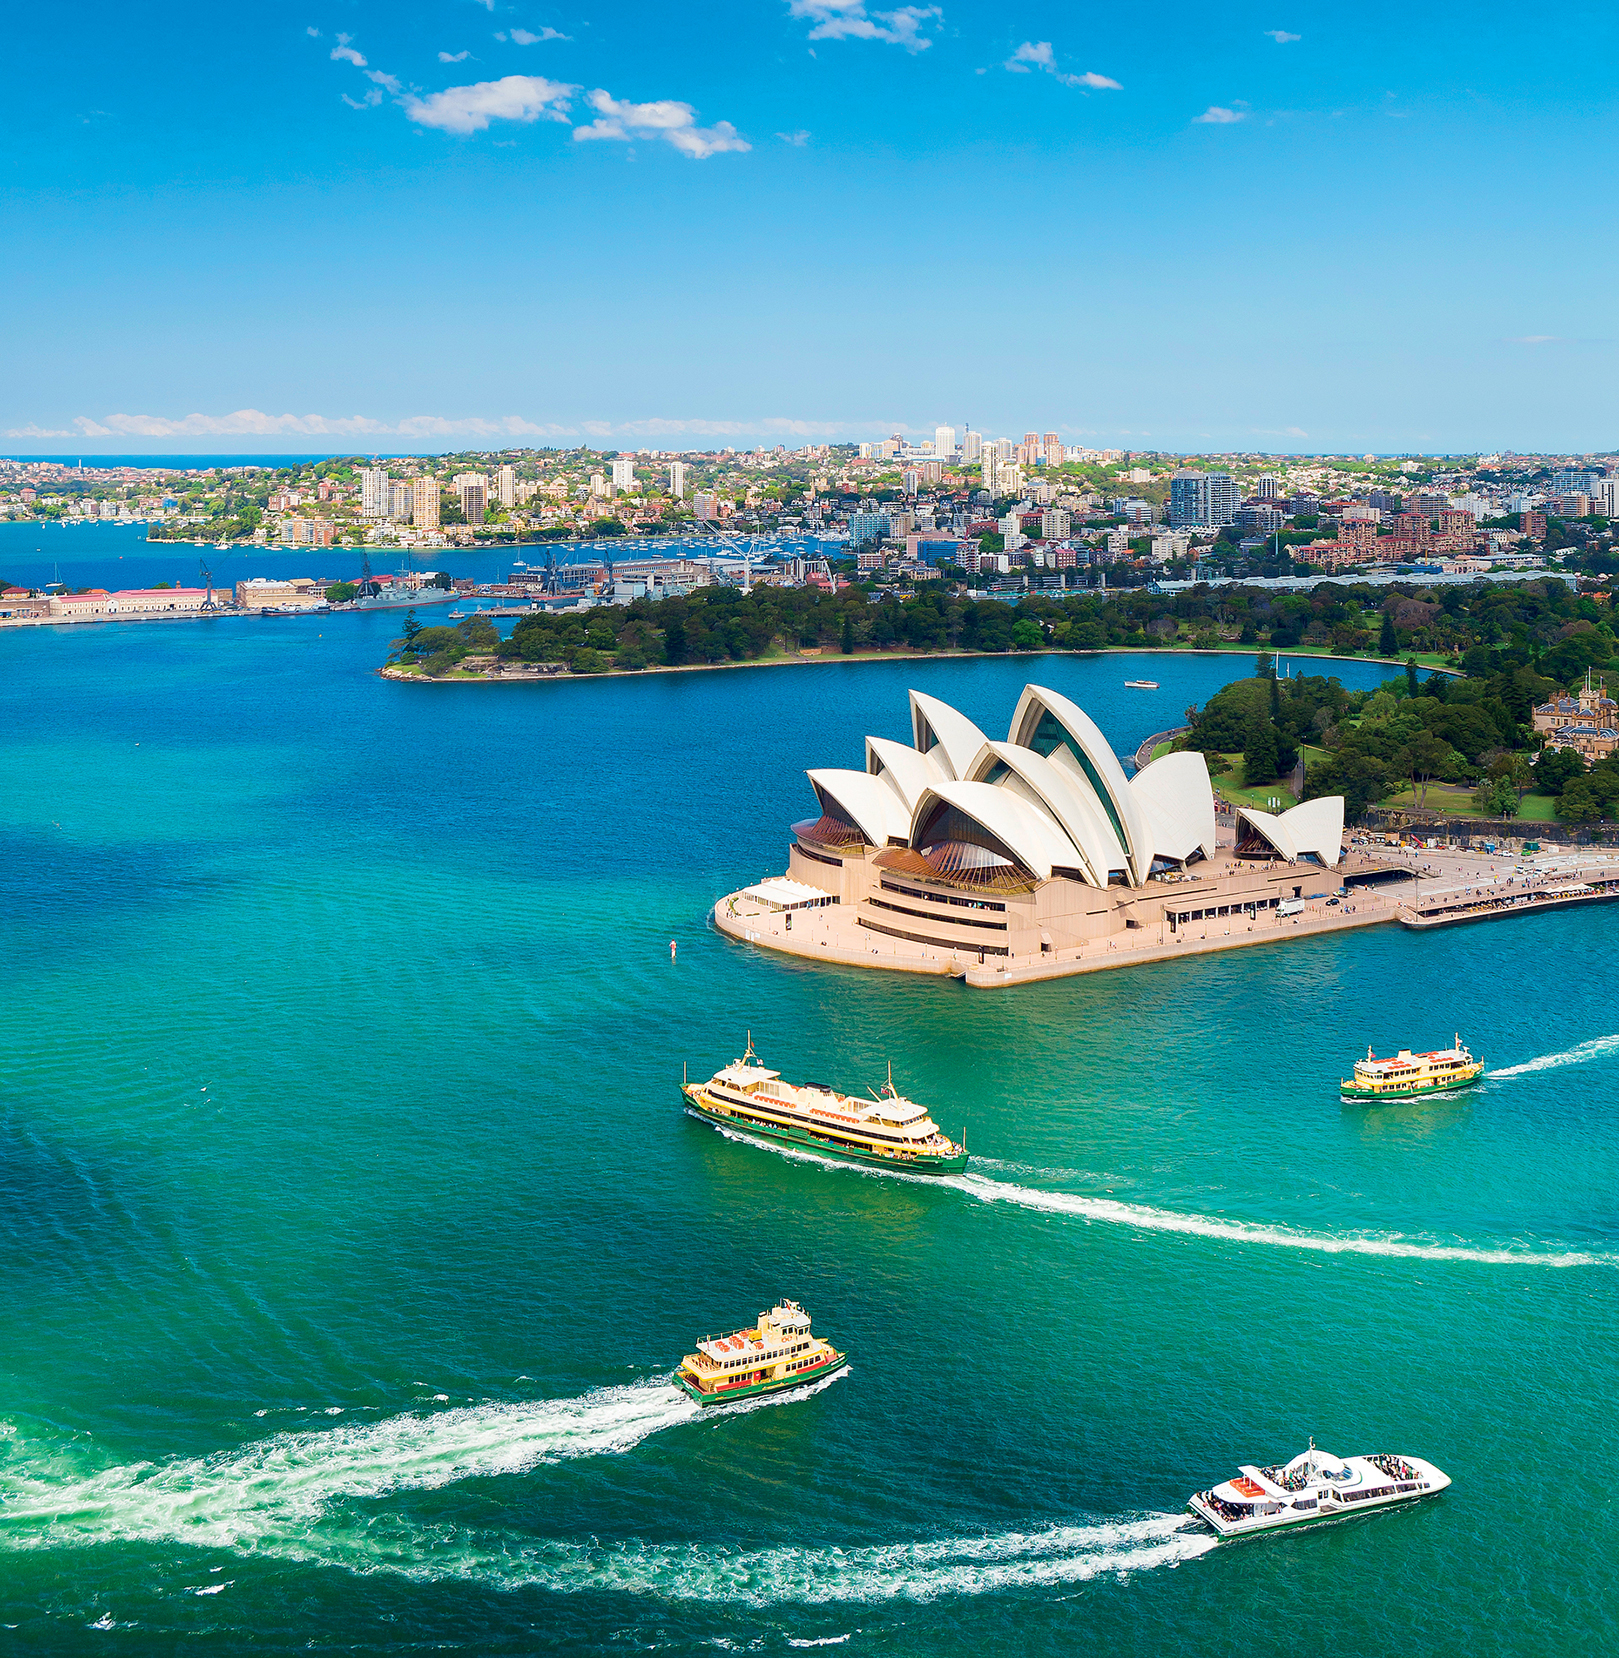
(1276, 226)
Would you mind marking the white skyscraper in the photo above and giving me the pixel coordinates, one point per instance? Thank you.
(972, 446)
(677, 480)
(990, 462)
(506, 486)
(624, 472)
(374, 492)
(944, 442)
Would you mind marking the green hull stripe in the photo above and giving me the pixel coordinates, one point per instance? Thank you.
(827, 1148)
(797, 1379)
(1353, 1091)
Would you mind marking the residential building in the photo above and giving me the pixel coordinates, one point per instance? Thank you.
(424, 503)
(1202, 498)
(1055, 524)
(474, 492)
(506, 486)
(704, 506)
(972, 445)
(1606, 499)
(1572, 482)
(624, 472)
(1533, 525)
(867, 526)
(1572, 506)
(1055, 453)
(598, 485)
(944, 442)
(990, 463)
(401, 497)
(910, 480)
(1426, 503)
(677, 480)
(1268, 487)
(373, 492)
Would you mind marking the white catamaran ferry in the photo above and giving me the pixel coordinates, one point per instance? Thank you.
(887, 1129)
(1314, 1486)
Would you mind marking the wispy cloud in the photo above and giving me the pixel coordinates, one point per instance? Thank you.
(849, 20)
(1217, 115)
(313, 33)
(522, 37)
(1281, 36)
(466, 109)
(369, 101)
(665, 118)
(1533, 339)
(388, 82)
(453, 57)
(1038, 54)
(342, 52)
(797, 139)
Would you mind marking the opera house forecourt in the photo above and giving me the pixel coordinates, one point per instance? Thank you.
(999, 862)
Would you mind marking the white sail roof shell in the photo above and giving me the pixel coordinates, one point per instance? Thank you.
(1317, 826)
(958, 740)
(1069, 801)
(903, 769)
(1099, 764)
(870, 803)
(1177, 799)
(1024, 830)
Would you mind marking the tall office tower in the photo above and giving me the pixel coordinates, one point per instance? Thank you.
(424, 506)
(944, 442)
(374, 492)
(401, 499)
(506, 486)
(624, 472)
(1268, 487)
(972, 446)
(677, 480)
(474, 492)
(1055, 453)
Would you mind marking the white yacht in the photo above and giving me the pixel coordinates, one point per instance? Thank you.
(1315, 1485)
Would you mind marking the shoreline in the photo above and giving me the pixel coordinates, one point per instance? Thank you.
(534, 672)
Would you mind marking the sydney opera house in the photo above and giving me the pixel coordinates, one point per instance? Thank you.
(1026, 848)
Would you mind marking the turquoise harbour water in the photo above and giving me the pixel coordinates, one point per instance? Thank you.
(352, 1228)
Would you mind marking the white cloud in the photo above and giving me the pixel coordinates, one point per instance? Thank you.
(666, 118)
(1038, 54)
(369, 101)
(797, 139)
(453, 57)
(314, 34)
(521, 37)
(1216, 115)
(1280, 36)
(382, 80)
(346, 54)
(1533, 339)
(38, 432)
(848, 20)
(471, 108)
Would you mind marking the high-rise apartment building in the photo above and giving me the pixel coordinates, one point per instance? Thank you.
(401, 499)
(473, 489)
(990, 462)
(598, 484)
(944, 442)
(1202, 498)
(624, 472)
(972, 446)
(1054, 524)
(374, 492)
(424, 503)
(506, 486)
(1053, 446)
(704, 506)
(1268, 487)
(1426, 503)
(910, 480)
(677, 480)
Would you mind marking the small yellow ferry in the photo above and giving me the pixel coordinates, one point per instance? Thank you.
(887, 1129)
(778, 1352)
(1408, 1075)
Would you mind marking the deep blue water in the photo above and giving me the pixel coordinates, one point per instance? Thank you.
(351, 1227)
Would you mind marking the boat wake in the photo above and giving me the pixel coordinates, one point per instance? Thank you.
(921, 1571)
(261, 1489)
(1598, 1048)
(1148, 1219)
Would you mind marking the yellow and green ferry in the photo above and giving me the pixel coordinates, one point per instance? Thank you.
(778, 1352)
(887, 1130)
(1408, 1075)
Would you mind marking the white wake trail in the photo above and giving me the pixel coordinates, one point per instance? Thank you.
(267, 1486)
(1598, 1048)
(773, 1576)
(1148, 1219)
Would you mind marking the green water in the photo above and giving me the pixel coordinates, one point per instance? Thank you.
(352, 1228)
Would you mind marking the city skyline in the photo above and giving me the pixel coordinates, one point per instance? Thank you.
(1283, 231)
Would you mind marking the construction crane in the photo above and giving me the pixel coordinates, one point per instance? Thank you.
(208, 583)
